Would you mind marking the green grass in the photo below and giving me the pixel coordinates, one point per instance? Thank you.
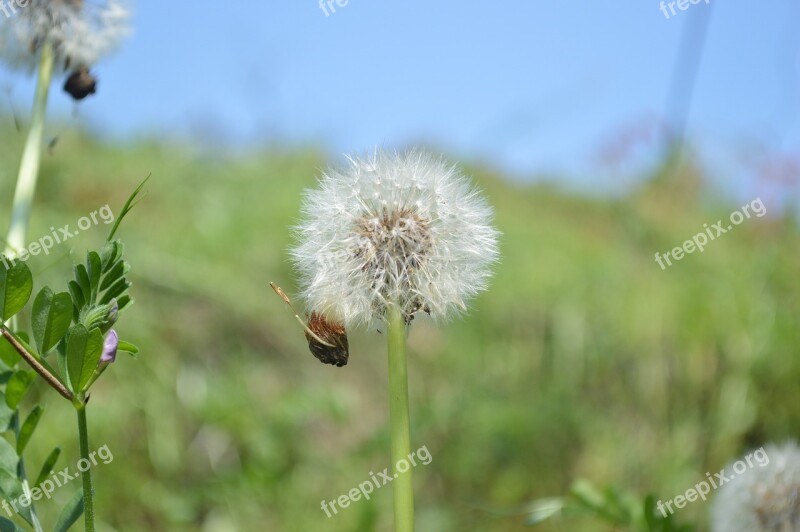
(584, 359)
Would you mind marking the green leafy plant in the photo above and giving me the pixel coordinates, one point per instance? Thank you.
(623, 511)
(71, 345)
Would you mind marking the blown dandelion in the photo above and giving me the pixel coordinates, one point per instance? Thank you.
(394, 230)
(764, 499)
(383, 239)
(80, 32)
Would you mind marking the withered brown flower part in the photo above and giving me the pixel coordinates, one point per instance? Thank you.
(327, 340)
(336, 350)
(80, 84)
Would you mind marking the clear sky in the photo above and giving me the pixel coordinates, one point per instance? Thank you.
(526, 85)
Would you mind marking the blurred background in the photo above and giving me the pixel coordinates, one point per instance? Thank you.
(601, 133)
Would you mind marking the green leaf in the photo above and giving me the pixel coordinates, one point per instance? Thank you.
(84, 349)
(77, 294)
(71, 512)
(123, 302)
(543, 509)
(111, 254)
(50, 318)
(82, 278)
(127, 208)
(11, 488)
(16, 285)
(8, 354)
(61, 360)
(7, 525)
(119, 270)
(28, 427)
(8, 457)
(128, 348)
(6, 413)
(650, 513)
(47, 466)
(6, 349)
(116, 290)
(17, 387)
(587, 495)
(94, 267)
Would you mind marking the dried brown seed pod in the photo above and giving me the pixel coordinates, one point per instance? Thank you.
(80, 84)
(327, 340)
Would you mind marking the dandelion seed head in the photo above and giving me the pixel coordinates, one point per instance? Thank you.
(393, 229)
(762, 498)
(80, 31)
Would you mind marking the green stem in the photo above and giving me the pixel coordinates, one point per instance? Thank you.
(88, 495)
(31, 157)
(25, 189)
(399, 420)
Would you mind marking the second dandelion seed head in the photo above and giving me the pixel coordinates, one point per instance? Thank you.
(80, 32)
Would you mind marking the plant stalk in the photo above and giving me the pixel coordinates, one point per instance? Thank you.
(31, 156)
(51, 379)
(20, 214)
(399, 420)
(86, 476)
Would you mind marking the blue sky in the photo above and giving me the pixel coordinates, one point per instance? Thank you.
(528, 86)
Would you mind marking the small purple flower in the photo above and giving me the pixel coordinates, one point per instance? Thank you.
(110, 347)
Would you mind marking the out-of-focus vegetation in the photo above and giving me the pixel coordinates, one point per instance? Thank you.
(584, 360)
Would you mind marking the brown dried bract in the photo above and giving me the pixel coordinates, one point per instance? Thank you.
(80, 84)
(327, 340)
(337, 351)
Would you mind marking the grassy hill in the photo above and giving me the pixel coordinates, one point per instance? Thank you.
(585, 359)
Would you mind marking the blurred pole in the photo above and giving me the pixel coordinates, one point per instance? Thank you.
(684, 79)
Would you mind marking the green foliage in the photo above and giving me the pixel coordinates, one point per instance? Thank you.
(71, 513)
(47, 466)
(99, 290)
(16, 285)
(84, 348)
(97, 294)
(9, 526)
(584, 359)
(28, 427)
(620, 510)
(17, 386)
(50, 319)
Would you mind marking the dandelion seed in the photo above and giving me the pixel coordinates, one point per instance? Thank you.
(81, 32)
(765, 498)
(404, 230)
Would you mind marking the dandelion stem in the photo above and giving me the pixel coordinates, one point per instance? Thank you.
(31, 156)
(23, 198)
(88, 496)
(399, 420)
